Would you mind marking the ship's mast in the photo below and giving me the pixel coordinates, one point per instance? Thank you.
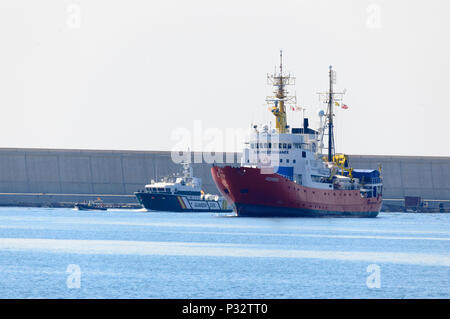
(330, 98)
(280, 100)
(187, 170)
(330, 118)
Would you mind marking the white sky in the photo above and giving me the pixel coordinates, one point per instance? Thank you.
(134, 71)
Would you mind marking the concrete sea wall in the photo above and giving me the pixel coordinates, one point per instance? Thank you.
(30, 175)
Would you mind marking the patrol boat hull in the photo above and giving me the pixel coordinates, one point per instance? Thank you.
(79, 206)
(180, 204)
(254, 194)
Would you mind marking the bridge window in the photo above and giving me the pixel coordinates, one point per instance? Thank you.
(303, 154)
(289, 145)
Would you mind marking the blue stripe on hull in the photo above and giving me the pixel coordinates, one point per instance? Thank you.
(246, 210)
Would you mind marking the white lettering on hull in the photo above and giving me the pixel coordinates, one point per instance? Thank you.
(199, 205)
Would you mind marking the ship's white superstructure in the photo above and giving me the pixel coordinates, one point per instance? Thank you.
(186, 184)
(294, 156)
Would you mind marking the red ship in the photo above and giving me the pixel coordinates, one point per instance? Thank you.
(285, 172)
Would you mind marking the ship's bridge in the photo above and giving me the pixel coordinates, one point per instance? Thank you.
(181, 185)
(294, 155)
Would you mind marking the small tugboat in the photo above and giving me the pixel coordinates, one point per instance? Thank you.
(91, 205)
(288, 172)
(181, 194)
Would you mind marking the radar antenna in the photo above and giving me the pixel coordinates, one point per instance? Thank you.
(280, 100)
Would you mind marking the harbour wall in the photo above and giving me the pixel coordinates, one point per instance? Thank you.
(47, 175)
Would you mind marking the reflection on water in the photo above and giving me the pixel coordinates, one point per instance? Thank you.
(130, 254)
(211, 250)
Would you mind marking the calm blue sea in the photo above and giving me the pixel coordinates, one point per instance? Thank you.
(62, 253)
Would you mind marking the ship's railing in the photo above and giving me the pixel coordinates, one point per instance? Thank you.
(372, 191)
(289, 177)
(371, 181)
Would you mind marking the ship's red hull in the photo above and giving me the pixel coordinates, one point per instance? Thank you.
(255, 194)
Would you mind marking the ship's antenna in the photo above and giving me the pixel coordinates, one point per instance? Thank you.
(280, 94)
(281, 63)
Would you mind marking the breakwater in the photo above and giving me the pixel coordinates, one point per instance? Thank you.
(59, 175)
